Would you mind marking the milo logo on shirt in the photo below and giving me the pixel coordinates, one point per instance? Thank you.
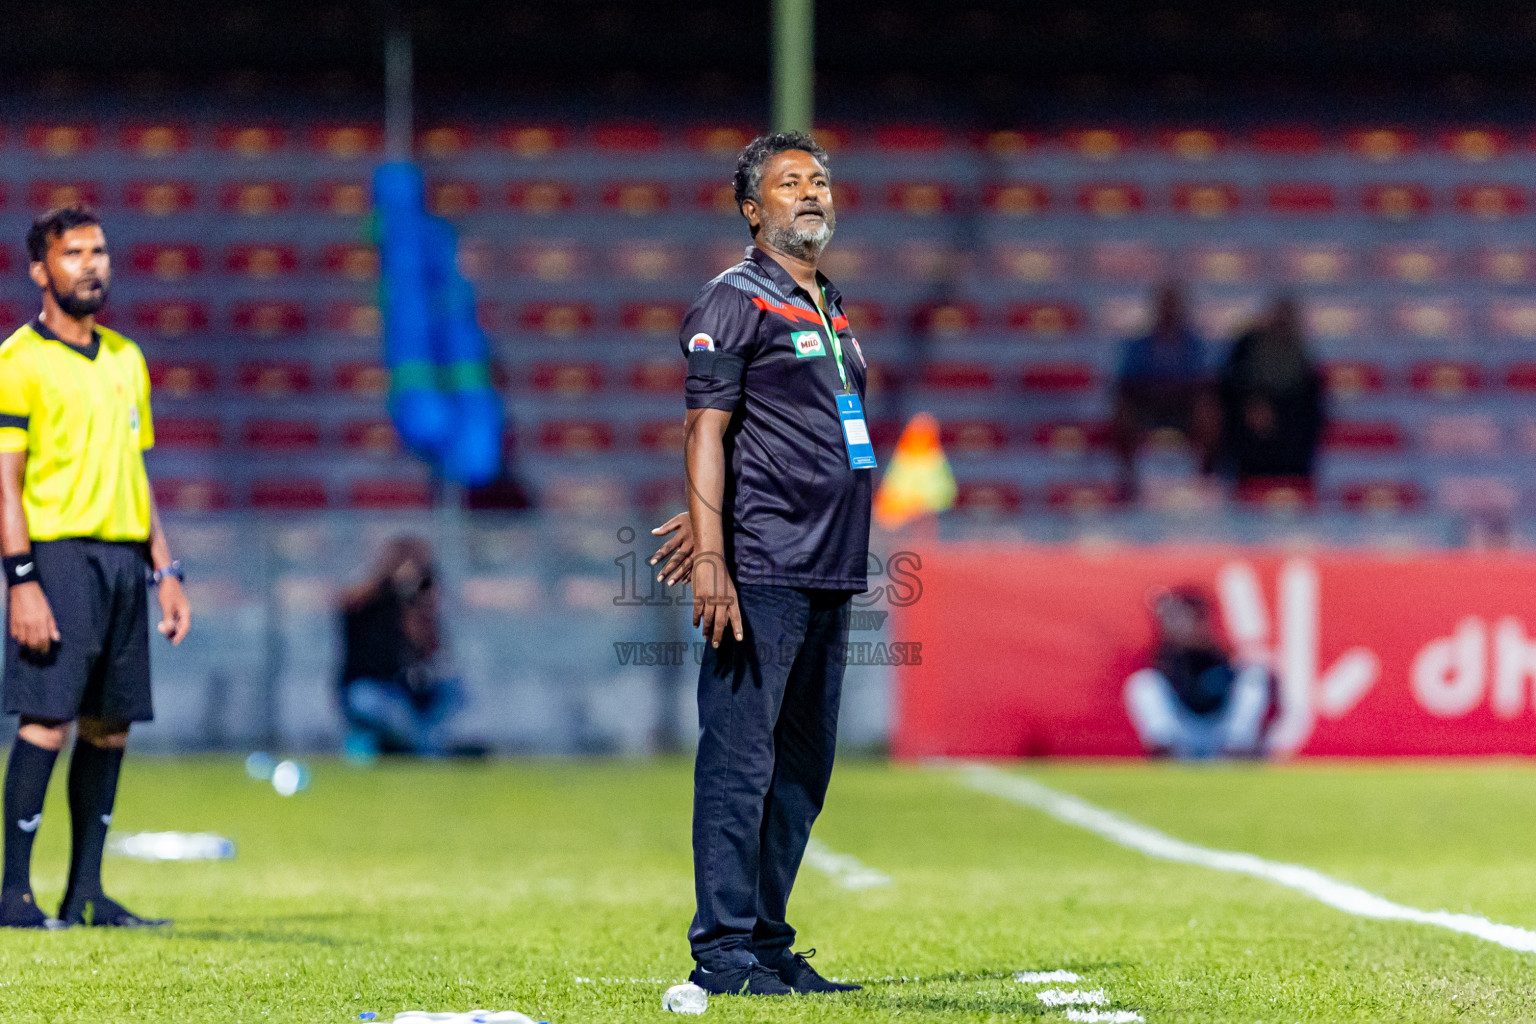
(807, 344)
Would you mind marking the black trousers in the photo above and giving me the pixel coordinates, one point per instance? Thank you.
(768, 731)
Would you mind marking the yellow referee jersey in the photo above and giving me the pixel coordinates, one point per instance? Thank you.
(82, 417)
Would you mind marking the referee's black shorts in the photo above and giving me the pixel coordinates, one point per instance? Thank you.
(99, 594)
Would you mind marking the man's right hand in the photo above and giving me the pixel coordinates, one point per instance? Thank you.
(714, 599)
(32, 619)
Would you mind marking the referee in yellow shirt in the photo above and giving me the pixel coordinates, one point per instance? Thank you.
(82, 543)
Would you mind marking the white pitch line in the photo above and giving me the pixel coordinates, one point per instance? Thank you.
(845, 871)
(1135, 836)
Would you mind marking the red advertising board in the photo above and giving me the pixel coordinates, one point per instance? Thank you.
(1026, 651)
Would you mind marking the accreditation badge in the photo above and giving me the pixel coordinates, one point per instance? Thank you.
(861, 453)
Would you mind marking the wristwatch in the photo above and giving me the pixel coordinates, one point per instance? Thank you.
(174, 569)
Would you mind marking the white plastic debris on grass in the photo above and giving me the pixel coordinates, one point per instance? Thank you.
(1105, 1016)
(1047, 977)
(1073, 997)
(159, 846)
(685, 998)
(472, 1017)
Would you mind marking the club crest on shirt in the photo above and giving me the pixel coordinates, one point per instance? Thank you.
(701, 343)
(807, 344)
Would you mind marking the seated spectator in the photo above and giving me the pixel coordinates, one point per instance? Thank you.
(393, 700)
(1195, 702)
(1271, 395)
(1163, 383)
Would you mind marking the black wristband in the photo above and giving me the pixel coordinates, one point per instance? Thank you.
(20, 569)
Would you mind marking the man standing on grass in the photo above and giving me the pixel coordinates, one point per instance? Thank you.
(778, 463)
(80, 536)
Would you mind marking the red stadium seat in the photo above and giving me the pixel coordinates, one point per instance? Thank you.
(289, 495)
(660, 376)
(1414, 263)
(920, 198)
(1037, 263)
(973, 437)
(1521, 377)
(1194, 144)
(1321, 263)
(1207, 200)
(652, 317)
(988, 497)
(49, 195)
(155, 141)
(251, 141)
(1098, 143)
(1300, 199)
(662, 493)
(261, 261)
(182, 379)
(630, 137)
(575, 437)
(716, 197)
(865, 316)
(59, 141)
(1396, 201)
(453, 198)
(957, 376)
(445, 141)
(560, 318)
(1282, 494)
(370, 437)
(530, 142)
(256, 198)
(1475, 145)
(1045, 319)
(346, 142)
(1010, 142)
(1287, 140)
(1445, 380)
(648, 260)
(277, 435)
(275, 378)
(190, 495)
(663, 436)
(167, 261)
(389, 494)
(268, 318)
(1380, 145)
(719, 140)
(636, 198)
(1059, 378)
(343, 198)
(161, 198)
(1018, 199)
(1382, 495)
(911, 138)
(1223, 264)
(357, 319)
(197, 433)
(1078, 496)
(1375, 436)
(354, 261)
(1491, 202)
(1506, 264)
(540, 198)
(1071, 440)
(1111, 200)
(950, 320)
(551, 260)
(1350, 378)
(571, 380)
(362, 379)
(170, 319)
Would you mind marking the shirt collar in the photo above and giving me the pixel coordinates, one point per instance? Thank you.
(781, 277)
(89, 351)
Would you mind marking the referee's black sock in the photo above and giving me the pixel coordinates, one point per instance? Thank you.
(26, 784)
(93, 774)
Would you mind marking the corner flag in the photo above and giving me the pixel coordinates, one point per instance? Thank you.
(919, 479)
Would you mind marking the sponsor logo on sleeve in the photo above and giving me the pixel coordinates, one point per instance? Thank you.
(701, 343)
(858, 350)
(807, 344)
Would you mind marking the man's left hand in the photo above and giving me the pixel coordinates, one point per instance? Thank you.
(175, 610)
(677, 553)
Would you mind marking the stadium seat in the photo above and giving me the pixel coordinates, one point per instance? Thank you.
(1137, 261)
(1193, 144)
(531, 142)
(166, 261)
(275, 378)
(281, 435)
(342, 198)
(1322, 263)
(268, 318)
(1467, 434)
(1382, 495)
(1207, 200)
(1414, 263)
(910, 138)
(652, 260)
(569, 380)
(1111, 200)
(251, 141)
(1398, 202)
(1514, 319)
(1301, 199)
(161, 198)
(288, 495)
(1521, 377)
(182, 379)
(1373, 436)
(169, 319)
(920, 198)
(1098, 144)
(370, 437)
(575, 437)
(256, 198)
(988, 497)
(540, 198)
(1071, 439)
(667, 492)
(202, 433)
(354, 261)
(636, 198)
(1343, 320)
(443, 142)
(559, 319)
(1223, 264)
(659, 376)
(1286, 141)
(453, 198)
(49, 195)
(973, 437)
(719, 140)
(59, 141)
(629, 137)
(1277, 495)
(865, 316)
(1059, 378)
(954, 319)
(357, 319)
(1017, 199)
(1079, 496)
(387, 494)
(1506, 264)
(361, 378)
(1429, 319)
(1039, 263)
(1491, 202)
(1380, 145)
(1353, 378)
(155, 141)
(261, 261)
(184, 495)
(1009, 142)
(1045, 319)
(717, 197)
(346, 142)
(553, 260)
(663, 436)
(1445, 379)
(659, 318)
(957, 376)
(1475, 145)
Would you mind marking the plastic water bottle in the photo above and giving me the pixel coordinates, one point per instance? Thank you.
(288, 777)
(685, 998)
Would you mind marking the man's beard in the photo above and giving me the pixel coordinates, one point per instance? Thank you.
(76, 306)
(802, 244)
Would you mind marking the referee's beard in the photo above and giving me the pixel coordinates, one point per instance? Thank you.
(85, 299)
(803, 243)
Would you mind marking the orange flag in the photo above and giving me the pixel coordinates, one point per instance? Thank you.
(918, 479)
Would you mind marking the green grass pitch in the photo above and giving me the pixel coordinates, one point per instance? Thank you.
(450, 888)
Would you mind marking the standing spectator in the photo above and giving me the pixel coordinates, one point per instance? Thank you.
(393, 700)
(1195, 700)
(1162, 383)
(1271, 394)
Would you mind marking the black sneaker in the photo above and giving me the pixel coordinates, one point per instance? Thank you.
(104, 912)
(749, 980)
(19, 910)
(794, 970)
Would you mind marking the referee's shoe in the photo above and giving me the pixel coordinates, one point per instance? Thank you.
(749, 979)
(795, 971)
